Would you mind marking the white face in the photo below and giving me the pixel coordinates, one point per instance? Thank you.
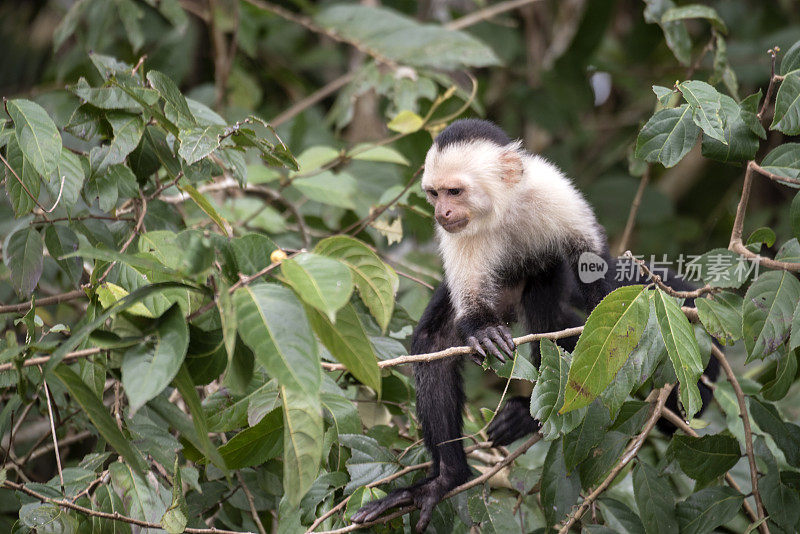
(465, 183)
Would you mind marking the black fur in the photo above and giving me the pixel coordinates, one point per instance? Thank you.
(465, 130)
(548, 289)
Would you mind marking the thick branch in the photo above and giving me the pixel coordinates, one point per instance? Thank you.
(748, 433)
(630, 453)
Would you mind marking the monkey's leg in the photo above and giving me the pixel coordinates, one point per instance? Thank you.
(440, 401)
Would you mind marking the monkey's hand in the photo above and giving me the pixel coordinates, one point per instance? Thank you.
(494, 339)
(424, 495)
(512, 422)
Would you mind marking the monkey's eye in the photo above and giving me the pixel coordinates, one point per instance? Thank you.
(454, 191)
(433, 192)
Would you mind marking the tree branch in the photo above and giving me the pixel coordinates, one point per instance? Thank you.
(46, 301)
(630, 453)
(748, 433)
(487, 13)
(626, 234)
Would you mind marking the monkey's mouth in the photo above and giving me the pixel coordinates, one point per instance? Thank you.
(456, 226)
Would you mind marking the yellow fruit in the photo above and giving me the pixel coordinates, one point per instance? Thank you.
(277, 256)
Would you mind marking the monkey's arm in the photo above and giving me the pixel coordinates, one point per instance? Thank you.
(483, 330)
(440, 400)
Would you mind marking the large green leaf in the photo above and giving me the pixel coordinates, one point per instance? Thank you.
(705, 458)
(338, 189)
(786, 435)
(25, 258)
(784, 160)
(348, 342)
(376, 282)
(199, 142)
(322, 282)
(175, 101)
(787, 105)
(274, 325)
(619, 516)
(704, 511)
(255, 445)
(705, 102)
(695, 11)
(721, 314)
(559, 488)
(97, 413)
(369, 461)
(60, 241)
(128, 129)
(37, 135)
(667, 136)
(70, 171)
(405, 40)
(739, 143)
(22, 171)
(767, 311)
(612, 331)
(149, 367)
(655, 500)
(581, 441)
(682, 348)
(302, 442)
(547, 397)
(785, 371)
(675, 32)
(142, 496)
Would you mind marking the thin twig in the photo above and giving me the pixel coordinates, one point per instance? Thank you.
(46, 301)
(626, 234)
(748, 434)
(630, 453)
(318, 95)
(251, 503)
(487, 13)
(773, 53)
(53, 429)
(458, 351)
(664, 287)
(44, 359)
(116, 516)
(676, 420)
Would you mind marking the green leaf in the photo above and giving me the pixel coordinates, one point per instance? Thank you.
(787, 105)
(704, 511)
(705, 458)
(632, 417)
(617, 515)
(767, 312)
(322, 282)
(655, 500)
(785, 372)
(581, 441)
(612, 331)
(682, 348)
(791, 59)
(60, 241)
(721, 315)
(675, 32)
(602, 459)
(705, 101)
(794, 216)
(406, 122)
(667, 136)
(376, 282)
(663, 94)
(786, 435)
(21, 200)
(369, 461)
(547, 397)
(403, 39)
(131, 15)
(141, 494)
(302, 442)
(37, 135)
(70, 170)
(384, 154)
(781, 501)
(183, 382)
(98, 414)
(784, 160)
(559, 488)
(176, 517)
(739, 141)
(205, 205)
(695, 11)
(338, 189)
(149, 367)
(749, 114)
(257, 444)
(199, 142)
(761, 236)
(175, 101)
(25, 254)
(348, 342)
(114, 97)
(273, 324)
(128, 129)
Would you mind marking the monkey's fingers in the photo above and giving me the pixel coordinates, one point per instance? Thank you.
(487, 343)
(506, 333)
(372, 510)
(473, 342)
(425, 514)
(498, 339)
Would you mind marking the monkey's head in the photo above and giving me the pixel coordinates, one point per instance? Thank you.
(471, 173)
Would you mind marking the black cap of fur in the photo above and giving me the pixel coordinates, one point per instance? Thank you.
(466, 130)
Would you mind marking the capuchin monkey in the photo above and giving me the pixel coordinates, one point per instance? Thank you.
(511, 230)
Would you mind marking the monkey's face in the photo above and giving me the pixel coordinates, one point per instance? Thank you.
(451, 207)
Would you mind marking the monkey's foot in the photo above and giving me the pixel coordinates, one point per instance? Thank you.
(425, 496)
(495, 339)
(512, 422)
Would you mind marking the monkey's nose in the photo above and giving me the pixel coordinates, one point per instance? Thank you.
(447, 215)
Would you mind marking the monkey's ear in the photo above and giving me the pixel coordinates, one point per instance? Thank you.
(511, 164)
